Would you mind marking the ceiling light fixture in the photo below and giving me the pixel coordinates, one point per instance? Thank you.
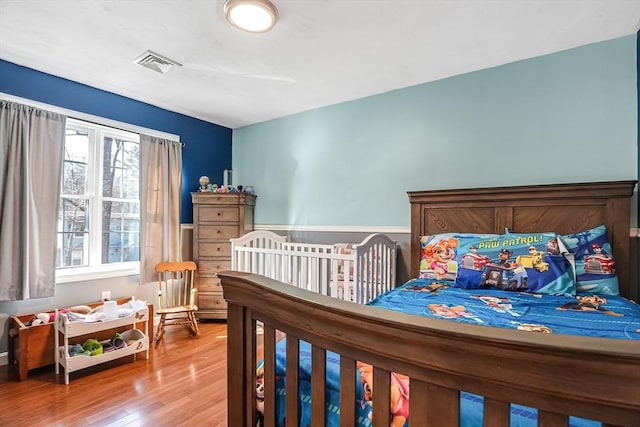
(256, 16)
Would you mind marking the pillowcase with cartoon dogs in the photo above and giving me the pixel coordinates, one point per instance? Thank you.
(595, 265)
(530, 262)
(439, 254)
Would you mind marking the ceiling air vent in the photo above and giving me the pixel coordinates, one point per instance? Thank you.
(156, 62)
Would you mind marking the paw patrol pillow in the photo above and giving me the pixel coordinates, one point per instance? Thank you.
(516, 262)
(595, 265)
(439, 254)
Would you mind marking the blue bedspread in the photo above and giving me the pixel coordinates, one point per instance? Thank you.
(586, 315)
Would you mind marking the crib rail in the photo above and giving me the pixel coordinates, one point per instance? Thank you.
(359, 276)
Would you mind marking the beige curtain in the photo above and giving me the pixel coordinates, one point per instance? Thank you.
(31, 156)
(161, 189)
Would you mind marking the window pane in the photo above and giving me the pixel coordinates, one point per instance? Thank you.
(121, 168)
(74, 181)
(131, 183)
(120, 232)
(73, 235)
(131, 176)
(76, 146)
(76, 153)
(73, 215)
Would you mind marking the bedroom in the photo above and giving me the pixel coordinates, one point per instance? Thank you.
(586, 98)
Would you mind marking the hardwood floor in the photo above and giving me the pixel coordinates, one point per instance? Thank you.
(184, 382)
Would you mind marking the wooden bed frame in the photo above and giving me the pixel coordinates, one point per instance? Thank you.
(560, 375)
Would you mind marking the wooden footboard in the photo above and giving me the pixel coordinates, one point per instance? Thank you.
(558, 374)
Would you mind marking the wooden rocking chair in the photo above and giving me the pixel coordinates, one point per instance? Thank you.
(176, 296)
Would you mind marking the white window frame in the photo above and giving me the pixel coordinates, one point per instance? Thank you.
(95, 199)
(83, 274)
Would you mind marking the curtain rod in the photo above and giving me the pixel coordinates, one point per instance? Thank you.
(86, 117)
(123, 130)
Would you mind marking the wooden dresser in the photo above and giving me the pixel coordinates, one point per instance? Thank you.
(217, 217)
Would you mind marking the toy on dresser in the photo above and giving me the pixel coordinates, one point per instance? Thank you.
(206, 186)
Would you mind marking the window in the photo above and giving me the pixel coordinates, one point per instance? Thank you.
(99, 216)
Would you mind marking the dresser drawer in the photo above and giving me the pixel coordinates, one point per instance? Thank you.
(218, 214)
(214, 249)
(233, 199)
(217, 232)
(212, 266)
(211, 301)
(209, 284)
(211, 314)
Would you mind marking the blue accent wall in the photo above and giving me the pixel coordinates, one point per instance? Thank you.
(208, 145)
(567, 117)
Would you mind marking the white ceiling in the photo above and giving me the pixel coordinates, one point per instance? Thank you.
(321, 52)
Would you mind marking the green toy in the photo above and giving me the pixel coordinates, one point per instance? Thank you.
(93, 346)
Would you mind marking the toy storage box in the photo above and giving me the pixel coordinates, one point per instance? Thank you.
(30, 347)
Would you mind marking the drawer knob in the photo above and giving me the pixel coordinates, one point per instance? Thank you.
(218, 248)
(218, 231)
(219, 214)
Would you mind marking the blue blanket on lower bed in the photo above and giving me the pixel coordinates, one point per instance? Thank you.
(586, 315)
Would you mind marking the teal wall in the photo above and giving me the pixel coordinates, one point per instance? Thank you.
(566, 117)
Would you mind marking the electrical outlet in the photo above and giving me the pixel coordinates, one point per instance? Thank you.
(106, 295)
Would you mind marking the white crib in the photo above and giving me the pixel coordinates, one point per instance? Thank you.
(352, 272)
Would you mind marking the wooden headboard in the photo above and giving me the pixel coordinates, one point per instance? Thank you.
(563, 208)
